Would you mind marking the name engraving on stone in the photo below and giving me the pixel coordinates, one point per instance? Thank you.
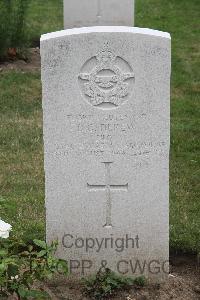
(97, 125)
(108, 188)
(106, 80)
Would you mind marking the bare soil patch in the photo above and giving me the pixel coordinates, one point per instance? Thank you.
(183, 284)
(32, 64)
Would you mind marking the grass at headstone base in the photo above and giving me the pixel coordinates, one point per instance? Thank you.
(21, 146)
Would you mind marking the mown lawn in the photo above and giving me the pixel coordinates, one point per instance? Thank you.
(180, 18)
(45, 16)
(21, 152)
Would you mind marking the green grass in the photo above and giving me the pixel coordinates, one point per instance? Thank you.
(21, 152)
(44, 16)
(180, 18)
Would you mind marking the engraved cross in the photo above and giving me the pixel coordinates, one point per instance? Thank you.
(108, 188)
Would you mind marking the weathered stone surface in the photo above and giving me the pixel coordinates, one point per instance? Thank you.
(81, 13)
(106, 102)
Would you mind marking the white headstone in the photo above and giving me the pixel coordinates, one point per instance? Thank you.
(106, 105)
(81, 13)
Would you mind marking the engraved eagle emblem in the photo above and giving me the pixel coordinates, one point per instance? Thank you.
(106, 79)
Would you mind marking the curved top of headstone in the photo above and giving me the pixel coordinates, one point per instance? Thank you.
(96, 29)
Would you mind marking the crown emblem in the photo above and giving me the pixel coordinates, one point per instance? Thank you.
(105, 55)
